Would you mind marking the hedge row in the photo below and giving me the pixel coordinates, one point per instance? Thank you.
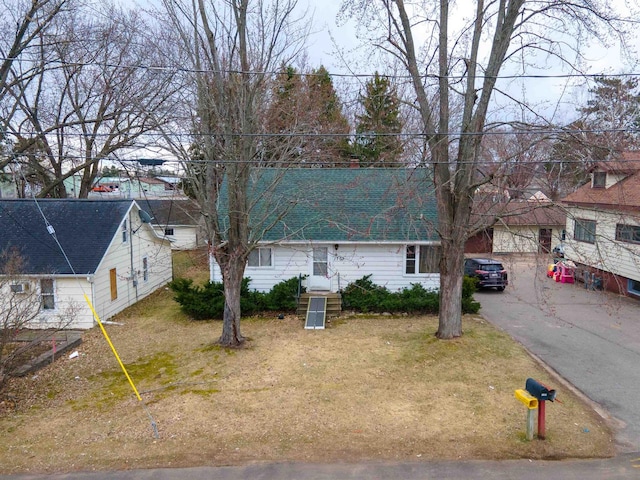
(365, 296)
(207, 301)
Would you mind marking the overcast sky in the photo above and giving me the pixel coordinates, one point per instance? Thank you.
(556, 98)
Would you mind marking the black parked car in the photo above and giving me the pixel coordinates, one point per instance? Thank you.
(490, 273)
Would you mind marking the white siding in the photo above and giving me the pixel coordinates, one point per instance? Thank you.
(127, 259)
(384, 262)
(607, 254)
(521, 239)
(71, 308)
(185, 237)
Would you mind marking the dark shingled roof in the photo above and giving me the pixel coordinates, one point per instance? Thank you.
(171, 212)
(84, 229)
(334, 204)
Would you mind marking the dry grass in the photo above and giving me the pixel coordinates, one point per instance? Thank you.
(366, 388)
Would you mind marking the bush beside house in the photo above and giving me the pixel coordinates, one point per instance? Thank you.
(207, 301)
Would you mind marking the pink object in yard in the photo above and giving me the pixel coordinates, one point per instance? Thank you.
(564, 273)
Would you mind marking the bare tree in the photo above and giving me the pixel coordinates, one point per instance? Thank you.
(21, 26)
(232, 46)
(100, 100)
(459, 63)
(20, 306)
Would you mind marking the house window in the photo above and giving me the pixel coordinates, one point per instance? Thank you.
(410, 262)
(628, 233)
(19, 288)
(633, 286)
(113, 283)
(584, 231)
(124, 231)
(422, 259)
(320, 261)
(47, 294)
(599, 179)
(145, 269)
(168, 232)
(260, 257)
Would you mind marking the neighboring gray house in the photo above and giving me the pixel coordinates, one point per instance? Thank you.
(180, 221)
(334, 226)
(114, 257)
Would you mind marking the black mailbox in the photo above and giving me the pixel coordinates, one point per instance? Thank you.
(539, 391)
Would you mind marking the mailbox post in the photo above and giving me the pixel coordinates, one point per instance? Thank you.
(542, 393)
(531, 404)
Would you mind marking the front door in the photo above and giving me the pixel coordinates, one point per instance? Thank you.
(319, 278)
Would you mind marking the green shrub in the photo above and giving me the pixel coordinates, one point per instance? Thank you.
(419, 299)
(469, 287)
(283, 295)
(199, 302)
(365, 296)
(207, 301)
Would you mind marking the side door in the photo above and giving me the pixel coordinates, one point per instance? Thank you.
(544, 240)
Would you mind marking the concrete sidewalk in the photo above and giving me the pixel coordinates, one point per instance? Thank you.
(621, 467)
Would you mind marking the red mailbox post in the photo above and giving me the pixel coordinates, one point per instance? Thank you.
(542, 393)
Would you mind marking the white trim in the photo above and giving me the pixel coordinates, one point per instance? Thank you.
(348, 242)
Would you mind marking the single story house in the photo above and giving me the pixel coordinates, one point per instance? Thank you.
(179, 221)
(603, 225)
(535, 225)
(332, 226)
(104, 249)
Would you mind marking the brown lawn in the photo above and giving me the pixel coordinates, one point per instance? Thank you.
(377, 388)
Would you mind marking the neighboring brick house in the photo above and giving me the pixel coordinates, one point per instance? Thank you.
(603, 225)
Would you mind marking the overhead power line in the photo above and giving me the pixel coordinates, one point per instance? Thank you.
(319, 161)
(494, 132)
(174, 70)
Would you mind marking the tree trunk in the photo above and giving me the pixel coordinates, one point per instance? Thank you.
(232, 273)
(451, 267)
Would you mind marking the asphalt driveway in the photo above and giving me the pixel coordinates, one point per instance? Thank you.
(591, 338)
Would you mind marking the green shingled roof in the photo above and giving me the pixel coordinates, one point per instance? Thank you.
(321, 204)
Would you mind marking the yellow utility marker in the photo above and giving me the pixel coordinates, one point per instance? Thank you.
(532, 404)
(124, 370)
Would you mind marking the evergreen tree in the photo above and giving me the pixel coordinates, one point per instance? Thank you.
(613, 113)
(329, 145)
(377, 142)
(302, 118)
(285, 116)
